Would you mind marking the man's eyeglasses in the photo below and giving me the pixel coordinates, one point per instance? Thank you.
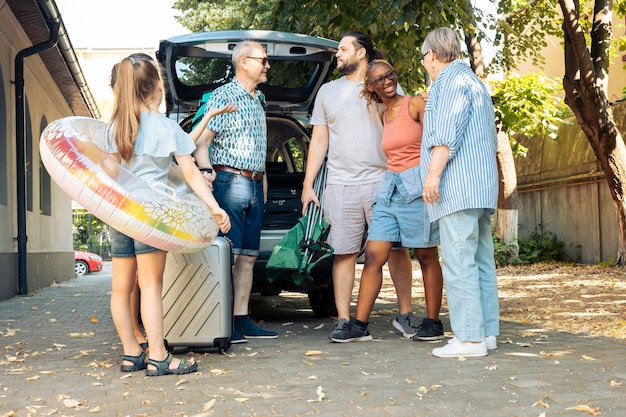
(423, 56)
(262, 60)
(391, 76)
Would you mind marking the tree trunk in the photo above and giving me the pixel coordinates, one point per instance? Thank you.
(507, 213)
(585, 81)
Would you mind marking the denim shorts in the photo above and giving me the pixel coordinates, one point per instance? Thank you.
(403, 222)
(242, 198)
(123, 246)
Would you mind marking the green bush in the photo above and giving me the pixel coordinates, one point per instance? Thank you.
(538, 246)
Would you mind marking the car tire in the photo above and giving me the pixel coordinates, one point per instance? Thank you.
(270, 292)
(80, 268)
(322, 302)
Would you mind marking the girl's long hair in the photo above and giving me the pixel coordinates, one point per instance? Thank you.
(136, 83)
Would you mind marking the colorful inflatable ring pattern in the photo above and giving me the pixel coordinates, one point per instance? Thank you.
(168, 217)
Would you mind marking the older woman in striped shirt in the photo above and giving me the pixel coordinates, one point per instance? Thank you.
(458, 165)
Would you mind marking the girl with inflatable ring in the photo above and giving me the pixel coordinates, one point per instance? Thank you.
(143, 140)
(195, 134)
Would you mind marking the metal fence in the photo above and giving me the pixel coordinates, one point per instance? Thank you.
(90, 234)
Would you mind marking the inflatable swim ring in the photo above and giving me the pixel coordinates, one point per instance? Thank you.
(169, 217)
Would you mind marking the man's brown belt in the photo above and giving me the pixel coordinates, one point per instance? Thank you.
(250, 174)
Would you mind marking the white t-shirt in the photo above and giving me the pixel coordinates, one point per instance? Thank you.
(354, 152)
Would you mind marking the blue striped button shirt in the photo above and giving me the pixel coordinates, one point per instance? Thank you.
(459, 114)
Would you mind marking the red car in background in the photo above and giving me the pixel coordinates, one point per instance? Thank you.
(86, 262)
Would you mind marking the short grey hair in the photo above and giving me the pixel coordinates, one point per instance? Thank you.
(445, 43)
(243, 49)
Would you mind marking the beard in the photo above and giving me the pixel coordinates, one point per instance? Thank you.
(348, 67)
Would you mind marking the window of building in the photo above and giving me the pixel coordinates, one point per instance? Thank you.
(45, 198)
(4, 162)
(29, 158)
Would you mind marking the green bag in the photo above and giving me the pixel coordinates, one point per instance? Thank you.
(296, 256)
(200, 112)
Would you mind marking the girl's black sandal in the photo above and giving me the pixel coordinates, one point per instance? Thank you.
(139, 363)
(163, 367)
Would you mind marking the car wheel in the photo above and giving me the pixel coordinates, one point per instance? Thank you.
(80, 267)
(270, 292)
(322, 302)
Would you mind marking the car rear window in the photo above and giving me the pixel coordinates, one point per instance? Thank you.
(287, 74)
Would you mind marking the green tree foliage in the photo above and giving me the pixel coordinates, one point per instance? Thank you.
(398, 26)
(521, 32)
(529, 105)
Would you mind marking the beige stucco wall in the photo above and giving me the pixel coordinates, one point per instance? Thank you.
(50, 252)
(554, 66)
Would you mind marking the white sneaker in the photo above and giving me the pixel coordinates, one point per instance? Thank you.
(458, 348)
(490, 341)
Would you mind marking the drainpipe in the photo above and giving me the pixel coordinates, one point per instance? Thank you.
(22, 253)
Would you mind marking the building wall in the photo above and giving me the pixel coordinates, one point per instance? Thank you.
(554, 66)
(97, 63)
(50, 252)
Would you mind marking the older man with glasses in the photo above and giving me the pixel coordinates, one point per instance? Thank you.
(234, 146)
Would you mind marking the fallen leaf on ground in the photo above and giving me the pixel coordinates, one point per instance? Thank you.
(320, 395)
(81, 335)
(582, 407)
(207, 406)
(71, 403)
(313, 353)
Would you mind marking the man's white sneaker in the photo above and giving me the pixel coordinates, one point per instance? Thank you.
(490, 341)
(458, 348)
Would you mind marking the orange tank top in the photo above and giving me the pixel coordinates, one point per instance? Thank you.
(402, 139)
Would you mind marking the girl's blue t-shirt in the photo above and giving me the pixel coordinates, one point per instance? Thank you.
(158, 139)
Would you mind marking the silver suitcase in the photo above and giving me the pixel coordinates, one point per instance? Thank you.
(198, 298)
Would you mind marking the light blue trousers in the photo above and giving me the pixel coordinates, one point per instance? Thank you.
(469, 274)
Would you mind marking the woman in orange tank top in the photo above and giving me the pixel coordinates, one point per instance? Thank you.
(399, 214)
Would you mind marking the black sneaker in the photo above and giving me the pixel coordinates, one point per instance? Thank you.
(429, 330)
(351, 333)
(339, 326)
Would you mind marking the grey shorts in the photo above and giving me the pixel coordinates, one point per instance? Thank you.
(348, 209)
(123, 246)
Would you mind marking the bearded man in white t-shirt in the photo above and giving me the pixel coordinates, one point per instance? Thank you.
(350, 137)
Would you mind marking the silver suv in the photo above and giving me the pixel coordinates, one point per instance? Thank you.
(196, 63)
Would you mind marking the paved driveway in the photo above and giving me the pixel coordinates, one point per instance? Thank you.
(61, 356)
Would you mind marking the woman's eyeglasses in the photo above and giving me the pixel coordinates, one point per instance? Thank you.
(262, 60)
(391, 76)
(423, 56)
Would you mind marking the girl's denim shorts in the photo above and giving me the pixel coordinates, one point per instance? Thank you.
(123, 246)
